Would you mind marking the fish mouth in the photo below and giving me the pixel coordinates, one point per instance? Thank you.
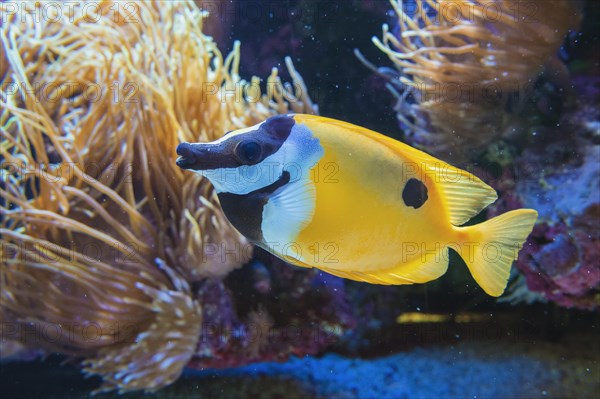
(183, 163)
(187, 157)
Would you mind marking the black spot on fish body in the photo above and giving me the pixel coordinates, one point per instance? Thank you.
(414, 193)
(244, 211)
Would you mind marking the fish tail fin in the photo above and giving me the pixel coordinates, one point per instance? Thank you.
(489, 248)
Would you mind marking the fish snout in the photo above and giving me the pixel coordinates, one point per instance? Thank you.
(187, 156)
(202, 156)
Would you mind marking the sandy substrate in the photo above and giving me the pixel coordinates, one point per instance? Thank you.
(569, 368)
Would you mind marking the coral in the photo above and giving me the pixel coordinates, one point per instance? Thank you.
(101, 232)
(260, 324)
(133, 364)
(269, 311)
(557, 174)
(560, 180)
(561, 260)
(466, 67)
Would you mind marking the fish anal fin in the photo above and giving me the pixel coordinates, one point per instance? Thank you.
(421, 270)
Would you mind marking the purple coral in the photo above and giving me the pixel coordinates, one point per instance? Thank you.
(269, 310)
(562, 265)
(558, 176)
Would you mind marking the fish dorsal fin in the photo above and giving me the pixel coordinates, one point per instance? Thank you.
(464, 194)
(417, 271)
(288, 211)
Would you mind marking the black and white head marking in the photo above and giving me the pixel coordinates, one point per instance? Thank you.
(241, 161)
(262, 176)
(245, 211)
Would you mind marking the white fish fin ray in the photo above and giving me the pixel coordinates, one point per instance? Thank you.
(288, 211)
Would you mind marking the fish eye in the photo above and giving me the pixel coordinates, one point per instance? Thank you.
(248, 152)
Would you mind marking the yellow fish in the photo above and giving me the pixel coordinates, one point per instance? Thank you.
(318, 192)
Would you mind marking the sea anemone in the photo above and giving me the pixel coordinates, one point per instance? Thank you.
(101, 232)
(469, 65)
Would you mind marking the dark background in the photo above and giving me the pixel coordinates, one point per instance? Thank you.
(320, 36)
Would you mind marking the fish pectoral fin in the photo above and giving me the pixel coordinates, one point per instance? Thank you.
(465, 195)
(418, 271)
(288, 211)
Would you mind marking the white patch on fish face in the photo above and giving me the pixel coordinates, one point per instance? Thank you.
(291, 207)
(246, 178)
